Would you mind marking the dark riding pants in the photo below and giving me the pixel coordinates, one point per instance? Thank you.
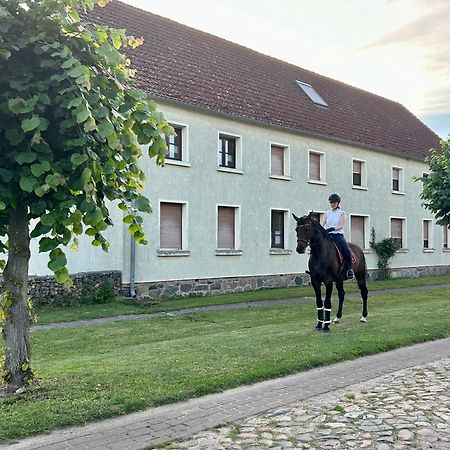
(340, 241)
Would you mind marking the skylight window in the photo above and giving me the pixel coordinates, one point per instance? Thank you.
(312, 93)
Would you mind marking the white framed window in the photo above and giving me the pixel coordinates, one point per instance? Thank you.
(398, 186)
(316, 167)
(279, 231)
(173, 236)
(178, 145)
(427, 234)
(359, 230)
(228, 230)
(359, 175)
(279, 161)
(398, 231)
(229, 152)
(445, 238)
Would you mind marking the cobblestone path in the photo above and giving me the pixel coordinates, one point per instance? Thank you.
(407, 409)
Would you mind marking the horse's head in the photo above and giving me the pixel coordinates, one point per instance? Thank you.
(305, 229)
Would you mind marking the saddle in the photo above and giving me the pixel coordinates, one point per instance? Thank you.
(341, 257)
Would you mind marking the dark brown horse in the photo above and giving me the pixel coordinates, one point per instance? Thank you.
(324, 266)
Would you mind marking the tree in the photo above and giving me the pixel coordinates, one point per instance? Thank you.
(436, 184)
(72, 124)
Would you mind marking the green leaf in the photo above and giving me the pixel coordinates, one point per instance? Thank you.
(85, 176)
(83, 115)
(58, 262)
(77, 159)
(28, 184)
(6, 175)
(26, 157)
(62, 277)
(31, 124)
(48, 219)
(143, 204)
(2, 206)
(47, 244)
(14, 135)
(78, 71)
(69, 63)
(94, 217)
(53, 180)
(39, 169)
(105, 128)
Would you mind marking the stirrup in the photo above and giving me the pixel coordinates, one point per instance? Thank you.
(350, 274)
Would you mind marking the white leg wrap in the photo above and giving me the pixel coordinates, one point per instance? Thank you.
(325, 309)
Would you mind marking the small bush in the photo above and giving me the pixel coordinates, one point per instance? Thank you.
(385, 250)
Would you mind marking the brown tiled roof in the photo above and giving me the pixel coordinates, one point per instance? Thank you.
(184, 65)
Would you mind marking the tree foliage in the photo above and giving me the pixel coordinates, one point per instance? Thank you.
(436, 184)
(71, 126)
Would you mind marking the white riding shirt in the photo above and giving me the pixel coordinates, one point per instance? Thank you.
(332, 220)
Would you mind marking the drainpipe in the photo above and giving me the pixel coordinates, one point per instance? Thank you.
(132, 267)
(132, 261)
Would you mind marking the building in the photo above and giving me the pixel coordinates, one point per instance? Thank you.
(258, 139)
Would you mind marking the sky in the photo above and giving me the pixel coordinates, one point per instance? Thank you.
(399, 49)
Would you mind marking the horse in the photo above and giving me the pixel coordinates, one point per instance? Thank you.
(324, 267)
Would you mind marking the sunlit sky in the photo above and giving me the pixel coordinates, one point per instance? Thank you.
(399, 49)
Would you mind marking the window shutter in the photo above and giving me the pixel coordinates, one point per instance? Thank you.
(357, 230)
(226, 227)
(277, 160)
(396, 231)
(314, 166)
(171, 225)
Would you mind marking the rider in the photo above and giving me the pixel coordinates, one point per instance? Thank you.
(333, 221)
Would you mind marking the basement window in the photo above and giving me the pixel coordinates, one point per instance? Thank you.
(312, 93)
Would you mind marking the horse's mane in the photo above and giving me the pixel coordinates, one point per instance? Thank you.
(317, 226)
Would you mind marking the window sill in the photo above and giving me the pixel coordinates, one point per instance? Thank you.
(402, 250)
(428, 250)
(398, 193)
(175, 162)
(323, 183)
(446, 250)
(174, 252)
(228, 252)
(228, 170)
(280, 177)
(280, 251)
(359, 188)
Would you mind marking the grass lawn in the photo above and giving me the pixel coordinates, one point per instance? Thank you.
(96, 372)
(49, 315)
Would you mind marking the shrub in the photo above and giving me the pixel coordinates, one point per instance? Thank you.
(385, 250)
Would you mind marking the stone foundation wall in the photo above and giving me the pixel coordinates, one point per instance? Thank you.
(44, 290)
(215, 286)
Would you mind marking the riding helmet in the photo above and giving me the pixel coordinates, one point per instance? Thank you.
(334, 198)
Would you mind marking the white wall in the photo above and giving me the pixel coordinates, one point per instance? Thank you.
(202, 187)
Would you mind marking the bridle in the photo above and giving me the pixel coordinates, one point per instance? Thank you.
(307, 242)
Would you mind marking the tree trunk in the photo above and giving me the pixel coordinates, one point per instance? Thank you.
(16, 328)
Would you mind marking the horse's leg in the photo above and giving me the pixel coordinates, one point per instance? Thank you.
(361, 279)
(319, 303)
(341, 295)
(327, 306)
